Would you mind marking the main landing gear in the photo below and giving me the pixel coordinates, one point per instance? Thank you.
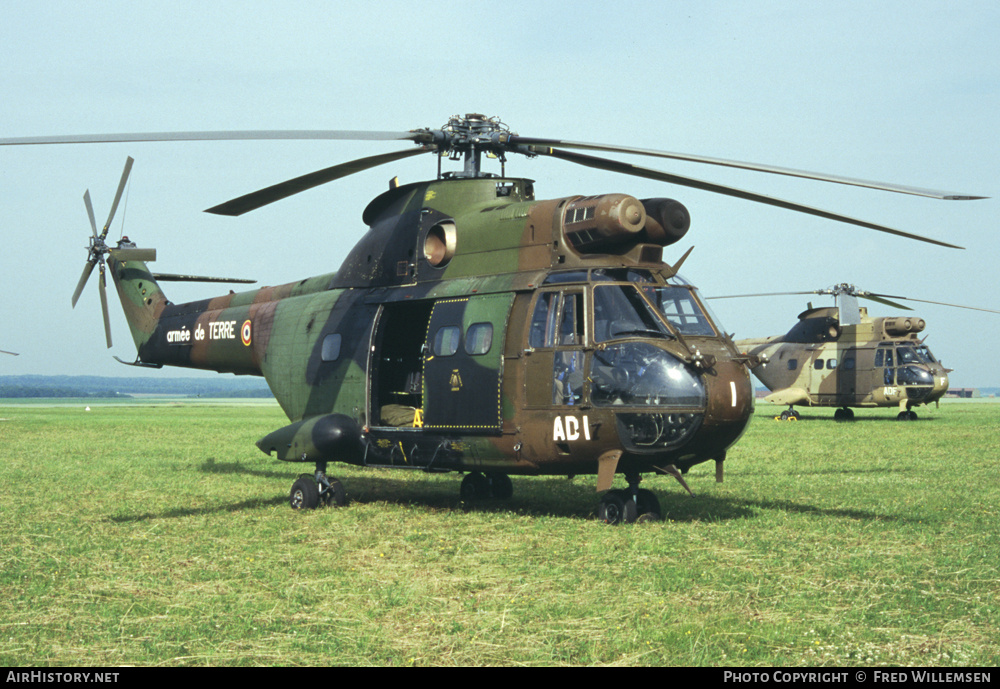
(308, 492)
(843, 414)
(477, 486)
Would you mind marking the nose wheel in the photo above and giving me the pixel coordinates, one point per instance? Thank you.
(309, 492)
(632, 504)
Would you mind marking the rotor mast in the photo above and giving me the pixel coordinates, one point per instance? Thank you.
(467, 138)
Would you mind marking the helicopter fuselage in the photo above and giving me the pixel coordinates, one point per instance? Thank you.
(876, 362)
(474, 328)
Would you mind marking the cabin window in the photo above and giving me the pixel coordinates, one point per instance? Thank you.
(331, 347)
(793, 364)
(848, 364)
(879, 355)
(479, 338)
(818, 364)
(831, 364)
(446, 340)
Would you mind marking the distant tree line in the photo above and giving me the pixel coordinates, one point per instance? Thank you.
(30, 386)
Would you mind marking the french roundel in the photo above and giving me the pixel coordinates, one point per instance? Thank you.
(245, 333)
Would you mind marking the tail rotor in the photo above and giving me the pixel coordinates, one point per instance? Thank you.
(98, 250)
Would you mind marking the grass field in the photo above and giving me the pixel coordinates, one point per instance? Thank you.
(159, 535)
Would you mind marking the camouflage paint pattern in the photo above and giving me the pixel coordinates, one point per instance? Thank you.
(417, 352)
(876, 362)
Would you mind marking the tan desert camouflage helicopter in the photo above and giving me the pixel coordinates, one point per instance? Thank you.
(841, 357)
(473, 327)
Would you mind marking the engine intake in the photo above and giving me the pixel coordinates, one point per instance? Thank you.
(667, 221)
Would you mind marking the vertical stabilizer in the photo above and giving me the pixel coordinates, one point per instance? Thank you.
(142, 299)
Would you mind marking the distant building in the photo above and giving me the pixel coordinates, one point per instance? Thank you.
(963, 393)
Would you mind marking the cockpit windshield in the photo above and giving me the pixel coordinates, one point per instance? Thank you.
(924, 352)
(907, 355)
(620, 311)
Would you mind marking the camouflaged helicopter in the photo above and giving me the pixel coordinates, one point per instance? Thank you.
(841, 357)
(474, 328)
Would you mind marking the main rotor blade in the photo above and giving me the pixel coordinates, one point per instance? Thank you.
(882, 300)
(243, 135)
(87, 270)
(761, 294)
(756, 167)
(104, 306)
(118, 194)
(957, 306)
(637, 171)
(263, 197)
(90, 211)
(4, 351)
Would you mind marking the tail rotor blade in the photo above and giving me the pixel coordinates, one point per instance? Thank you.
(87, 270)
(90, 211)
(104, 307)
(118, 194)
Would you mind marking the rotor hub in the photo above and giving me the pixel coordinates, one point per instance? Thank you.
(469, 137)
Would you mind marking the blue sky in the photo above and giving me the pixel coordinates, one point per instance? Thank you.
(904, 92)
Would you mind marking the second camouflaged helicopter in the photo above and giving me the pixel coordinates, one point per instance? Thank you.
(474, 328)
(841, 357)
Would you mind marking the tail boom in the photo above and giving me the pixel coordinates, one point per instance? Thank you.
(211, 334)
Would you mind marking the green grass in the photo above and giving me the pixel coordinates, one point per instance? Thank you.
(160, 535)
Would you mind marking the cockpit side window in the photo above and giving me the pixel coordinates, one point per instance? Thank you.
(543, 321)
(678, 306)
(571, 319)
(925, 354)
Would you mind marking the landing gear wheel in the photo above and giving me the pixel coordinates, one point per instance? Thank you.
(500, 486)
(843, 414)
(906, 416)
(646, 503)
(614, 508)
(789, 415)
(304, 494)
(335, 495)
(474, 486)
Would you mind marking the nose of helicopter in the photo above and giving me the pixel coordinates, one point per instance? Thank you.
(730, 401)
(940, 383)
